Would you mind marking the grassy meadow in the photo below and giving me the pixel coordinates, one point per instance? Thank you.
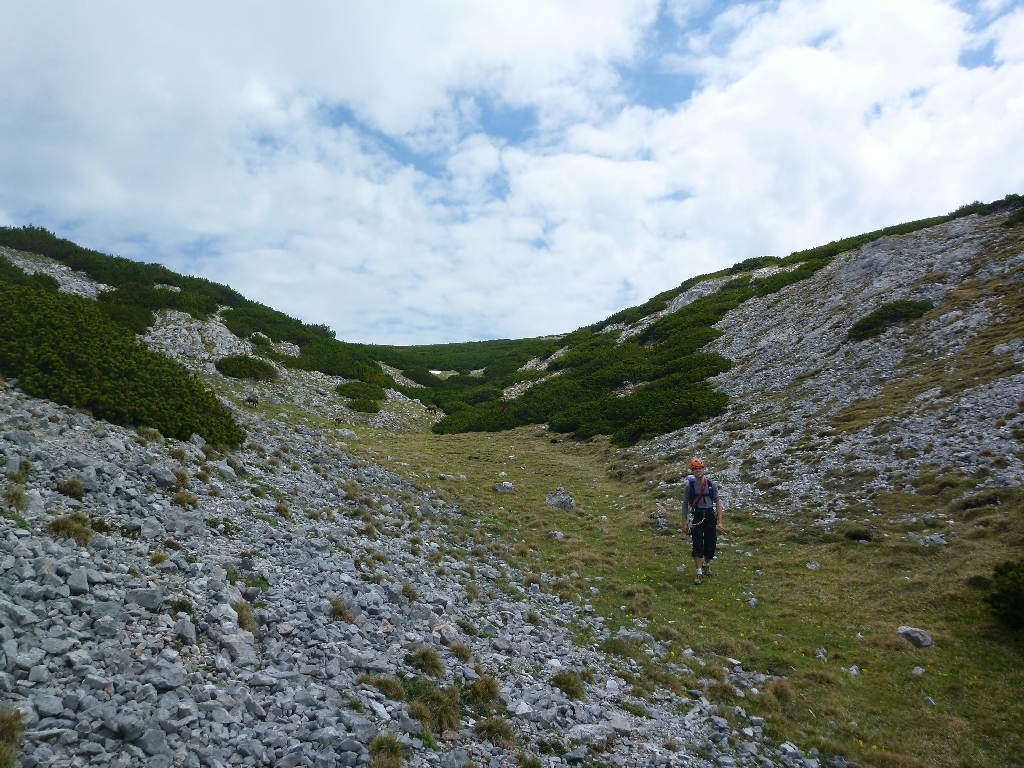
(850, 605)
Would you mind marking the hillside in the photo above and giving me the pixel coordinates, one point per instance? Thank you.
(341, 577)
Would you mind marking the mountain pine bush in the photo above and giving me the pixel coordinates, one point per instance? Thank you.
(1006, 595)
(246, 367)
(886, 316)
(64, 348)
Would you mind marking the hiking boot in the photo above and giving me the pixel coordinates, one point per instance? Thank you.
(700, 578)
(707, 569)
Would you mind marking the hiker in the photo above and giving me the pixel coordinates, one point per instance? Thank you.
(705, 508)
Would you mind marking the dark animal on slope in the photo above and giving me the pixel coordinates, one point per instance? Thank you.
(431, 408)
(252, 399)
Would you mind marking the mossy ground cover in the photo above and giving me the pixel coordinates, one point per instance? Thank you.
(974, 671)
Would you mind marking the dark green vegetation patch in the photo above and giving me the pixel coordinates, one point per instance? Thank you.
(64, 348)
(245, 367)
(1006, 595)
(360, 390)
(886, 316)
(141, 288)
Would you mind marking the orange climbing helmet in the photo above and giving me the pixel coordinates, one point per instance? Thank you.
(697, 463)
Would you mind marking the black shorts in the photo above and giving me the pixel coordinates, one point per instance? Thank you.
(704, 535)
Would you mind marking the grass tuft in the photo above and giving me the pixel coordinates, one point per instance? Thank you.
(570, 684)
(71, 488)
(340, 611)
(385, 751)
(497, 731)
(427, 660)
(246, 619)
(74, 526)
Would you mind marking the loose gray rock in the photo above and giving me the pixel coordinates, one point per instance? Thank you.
(504, 487)
(150, 599)
(185, 631)
(916, 637)
(48, 705)
(163, 475)
(560, 499)
(78, 582)
(153, 742)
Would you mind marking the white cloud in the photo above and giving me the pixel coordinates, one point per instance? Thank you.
(334, 160)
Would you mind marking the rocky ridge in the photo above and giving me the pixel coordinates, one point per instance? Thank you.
(812, 412)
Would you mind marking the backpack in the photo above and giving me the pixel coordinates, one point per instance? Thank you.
(691, 492)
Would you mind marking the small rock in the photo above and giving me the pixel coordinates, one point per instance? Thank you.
(504, 487)
(556, 535)
(916, 637)
(929, 701)
(560, 499)
(917, 671)
(150, 599)
(48, 705)
(163, 475)
(812, 566)
(185, 631)
(78, 582)
(153, 742)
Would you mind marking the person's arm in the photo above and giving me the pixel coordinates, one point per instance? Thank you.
(718, 508)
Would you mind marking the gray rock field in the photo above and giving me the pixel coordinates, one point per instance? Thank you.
(827, 422)
(134, 648)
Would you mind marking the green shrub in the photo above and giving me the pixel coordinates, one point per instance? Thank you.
(483, 692)
(64, 349)
(364, 406)
(340, 611)
(409, 591)
(1006, 595)
(462, 652)
(635, 709)
(257, 580)
(570, 684)
(74, 526)
(245, 367)
(157, 557)
(391, 687)
(185, 499)
(20, 475)
(444, 709)
(360, 390)
(886, 316)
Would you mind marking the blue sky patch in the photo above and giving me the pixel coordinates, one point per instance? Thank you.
(978, 57)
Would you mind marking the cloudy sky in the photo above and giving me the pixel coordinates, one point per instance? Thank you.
(412, 172)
